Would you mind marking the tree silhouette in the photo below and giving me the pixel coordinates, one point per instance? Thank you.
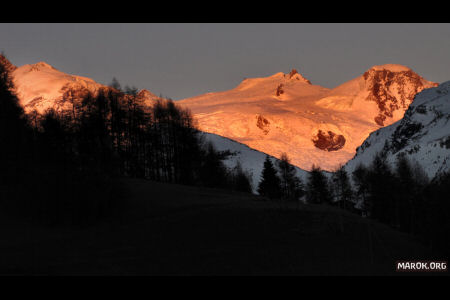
(411, 182)
(361, 179)
(382, 190)
(241, 180)
(342, 188)
(270, 184)
(15, 134)
(406, 199)
(291, 186)
(435, 215)
(213, 172)
(317, 190)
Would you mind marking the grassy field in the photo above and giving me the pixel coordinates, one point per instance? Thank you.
(173, 229)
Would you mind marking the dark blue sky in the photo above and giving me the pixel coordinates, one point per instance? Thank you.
(183, 60)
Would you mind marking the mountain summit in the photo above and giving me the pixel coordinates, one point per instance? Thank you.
(40, 86)
(313, 124)
(422, 135)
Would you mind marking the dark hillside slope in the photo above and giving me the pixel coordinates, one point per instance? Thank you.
(175, 229)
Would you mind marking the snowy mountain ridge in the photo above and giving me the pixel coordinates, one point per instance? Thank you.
(275, 114)
(423, 135)
(40, 86)
(312, 124)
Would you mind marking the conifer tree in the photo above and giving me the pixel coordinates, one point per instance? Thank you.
(270, 184)
(317, 190)
(13, 128)
(361, 180)
(291, 185)
(342, 187)
(382, 190)
(241, 179)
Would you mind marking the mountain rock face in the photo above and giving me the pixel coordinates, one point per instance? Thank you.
(391, 90)
(312, 124)
(423, 135)
(329, 141)
(40, 87)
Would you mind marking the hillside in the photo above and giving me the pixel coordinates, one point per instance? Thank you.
(174, 229)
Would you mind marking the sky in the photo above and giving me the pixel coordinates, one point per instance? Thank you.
(184, 60)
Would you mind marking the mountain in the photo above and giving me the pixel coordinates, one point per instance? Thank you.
(312, 124)
(423, 135)
(40, 86)
(279, 113)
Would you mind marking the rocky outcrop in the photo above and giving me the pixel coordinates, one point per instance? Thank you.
(263, 124)
(328, 141)
(295, 75)
(280, 90)
(392, 90)
(292, 73)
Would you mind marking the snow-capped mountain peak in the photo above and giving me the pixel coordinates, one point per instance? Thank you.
(40, 86)
(423, 135)
(313, 124)
(40, 66)
(292, 81)
(382, 94)
(391, 68)
(392, 88)
(295, 75)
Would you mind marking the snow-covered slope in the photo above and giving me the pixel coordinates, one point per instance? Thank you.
(423, 134)
(312, 124)
(40, 86)
(251, 160)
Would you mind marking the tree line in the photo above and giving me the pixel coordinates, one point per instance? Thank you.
(280, 181)
(403, 197)
(400, 196)
(61, 165)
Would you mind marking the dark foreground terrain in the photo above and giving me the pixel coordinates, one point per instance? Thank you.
(174, 229)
